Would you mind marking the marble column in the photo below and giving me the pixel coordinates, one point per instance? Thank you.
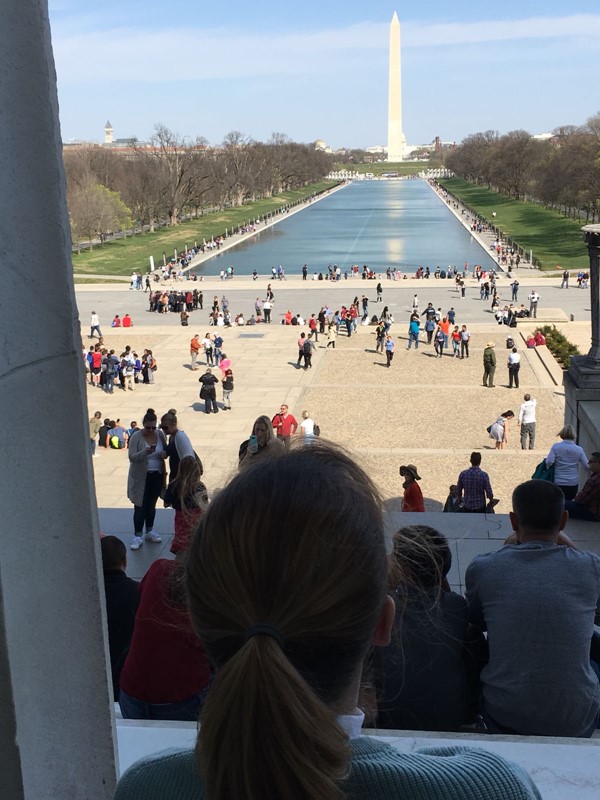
(582, 379)
(592, 239)
(54, 687)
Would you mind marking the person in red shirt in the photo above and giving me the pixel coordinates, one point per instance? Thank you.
(539, 338)
(116, 323)
(127, 322)
(312, 324)
(96, 367)
(166, 673)
(413, 497)
(288, 317)
(285, 424)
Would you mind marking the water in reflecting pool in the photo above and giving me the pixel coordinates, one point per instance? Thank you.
(400, 224)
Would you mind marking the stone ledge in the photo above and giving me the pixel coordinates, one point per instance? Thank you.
(563, 769)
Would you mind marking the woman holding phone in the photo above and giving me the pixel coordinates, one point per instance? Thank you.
(146, 480)
(262, 441)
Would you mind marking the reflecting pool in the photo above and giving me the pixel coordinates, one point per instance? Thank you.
(400, 224)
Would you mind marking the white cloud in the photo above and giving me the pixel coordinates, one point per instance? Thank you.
(84, 56)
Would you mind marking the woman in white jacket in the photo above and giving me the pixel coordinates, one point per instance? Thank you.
(146, 479)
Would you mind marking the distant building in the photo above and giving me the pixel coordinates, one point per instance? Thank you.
(323, 146)
(108, 133)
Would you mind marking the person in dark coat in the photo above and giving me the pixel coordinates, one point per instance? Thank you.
(427, 678)
(208, 391)
(122, 600)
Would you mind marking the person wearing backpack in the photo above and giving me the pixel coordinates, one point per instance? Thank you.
(300, 343)
(308, 348)
(116, 437)
(110, 370)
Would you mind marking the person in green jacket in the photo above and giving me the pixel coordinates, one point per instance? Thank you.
(286, 582)
(489, 365)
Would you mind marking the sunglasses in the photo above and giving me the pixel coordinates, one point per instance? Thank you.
(149, 427)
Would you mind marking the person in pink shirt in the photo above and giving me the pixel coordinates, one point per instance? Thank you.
(224, 364)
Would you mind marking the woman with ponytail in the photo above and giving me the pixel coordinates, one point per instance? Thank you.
(286, 582)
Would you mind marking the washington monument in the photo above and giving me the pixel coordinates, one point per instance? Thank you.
(396, 138)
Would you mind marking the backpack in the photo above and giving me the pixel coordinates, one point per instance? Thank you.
(510, 343)
(115, 442)
(110, 367)
(307, 347)
(316, 430)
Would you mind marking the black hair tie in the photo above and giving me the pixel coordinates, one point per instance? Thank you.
(265, 629)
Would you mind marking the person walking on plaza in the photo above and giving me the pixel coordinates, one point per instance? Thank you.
(489, 365)
(380, 337)
(285, 425)
(565, 279)
(194, 350)
(526, 421)
(379, 291)
(300, 343)
(413, 331)
(465, 337)
(95, 425)
(308, 348)
(438, 342)
(514, 365)
(95, 325)
(586, 504)
(514, 289)
(389, 349)
(412, 499)
(474, 487)
(331, 335)
(534, 299)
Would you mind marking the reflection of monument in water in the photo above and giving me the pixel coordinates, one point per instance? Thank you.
(396, 138)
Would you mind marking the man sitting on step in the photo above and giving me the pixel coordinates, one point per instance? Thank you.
(537, 598)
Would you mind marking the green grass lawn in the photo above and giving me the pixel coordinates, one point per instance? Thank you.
(555, 240)
(402, 168)
(123, 256)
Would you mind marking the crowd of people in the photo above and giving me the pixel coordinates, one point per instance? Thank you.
(106, 368)
(305, 639)
(235, 626)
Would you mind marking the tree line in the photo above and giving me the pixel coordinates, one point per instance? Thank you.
(562, 172)
(172, 177)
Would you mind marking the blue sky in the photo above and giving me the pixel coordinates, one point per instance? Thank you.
(318, 70)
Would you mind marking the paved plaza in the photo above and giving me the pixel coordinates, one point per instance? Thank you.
(423, 410)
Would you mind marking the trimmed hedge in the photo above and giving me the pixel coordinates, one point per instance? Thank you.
(558, 344)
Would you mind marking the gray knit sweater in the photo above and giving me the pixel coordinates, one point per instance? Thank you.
(376, 772)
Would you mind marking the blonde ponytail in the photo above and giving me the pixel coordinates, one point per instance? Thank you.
(265, 735)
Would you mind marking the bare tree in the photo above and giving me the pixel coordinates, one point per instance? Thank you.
(175, 172)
